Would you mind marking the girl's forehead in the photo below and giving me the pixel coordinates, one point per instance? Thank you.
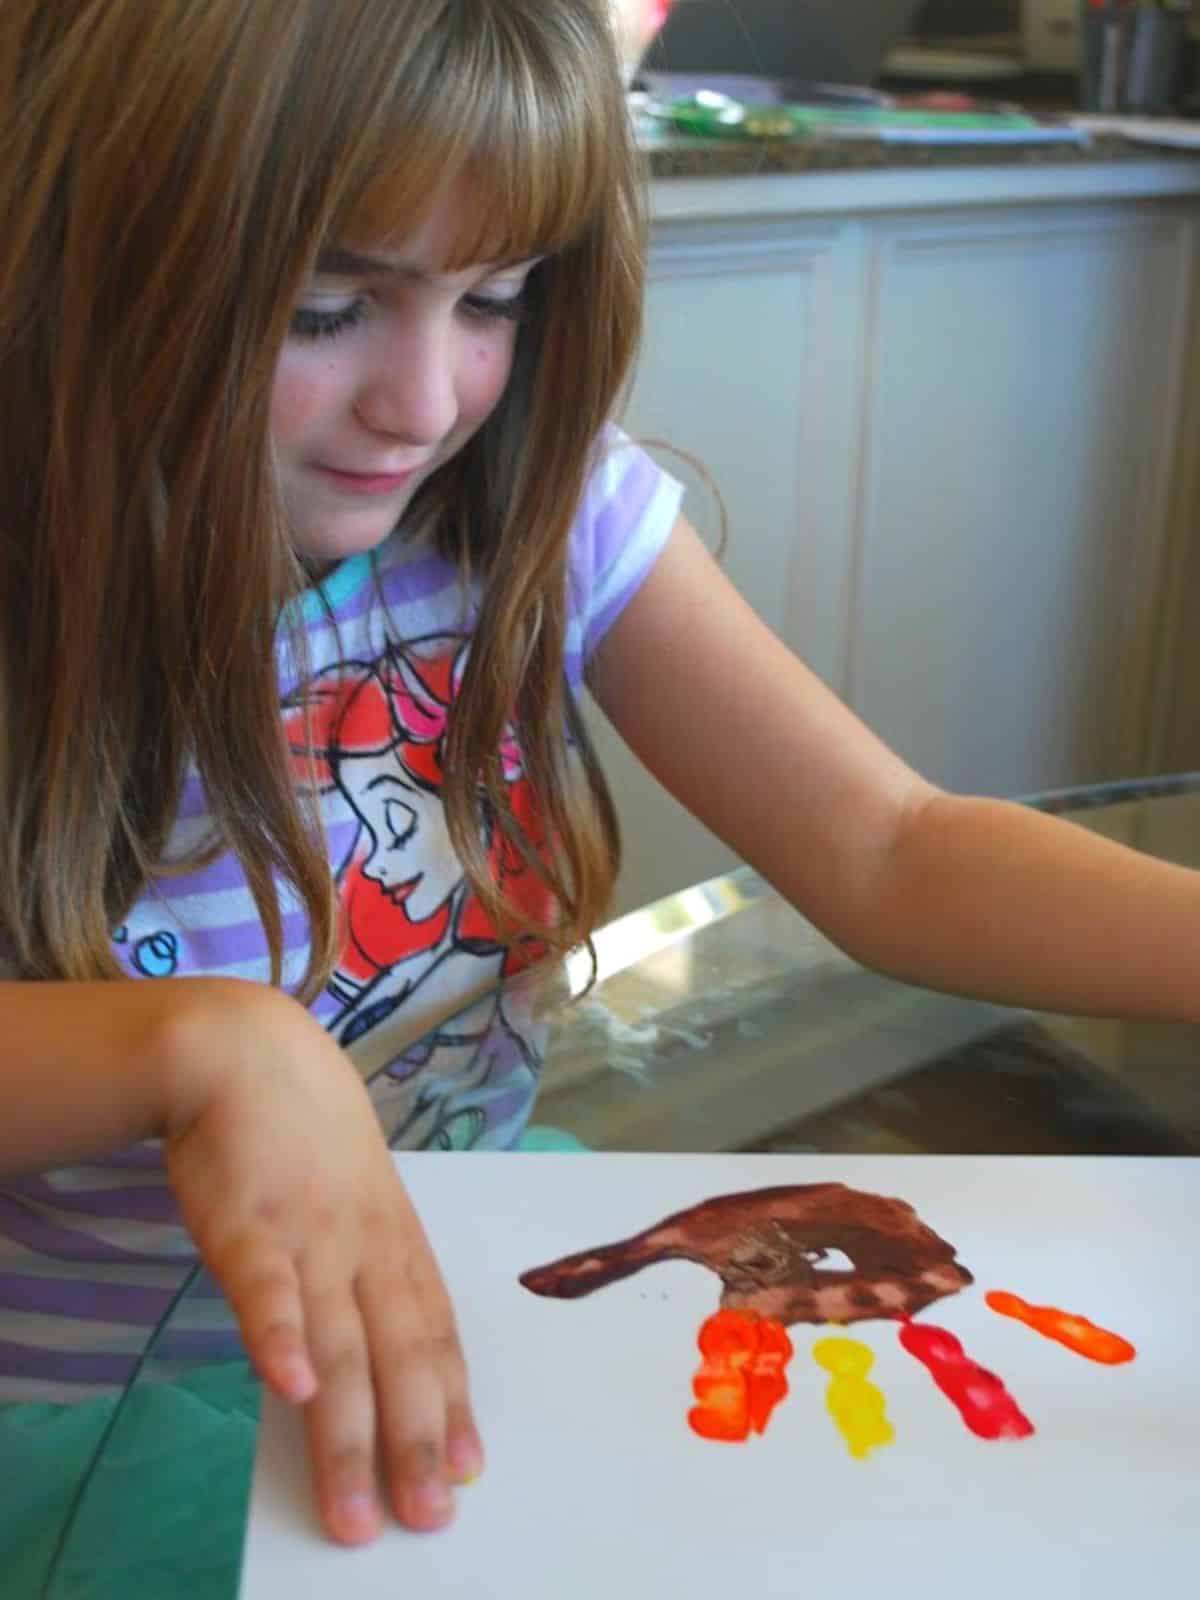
(436, 242)
(434, 251)
(482, 217)
(409, 265)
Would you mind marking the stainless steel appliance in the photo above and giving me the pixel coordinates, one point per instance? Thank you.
(818, 41)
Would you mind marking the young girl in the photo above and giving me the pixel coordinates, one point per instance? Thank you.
(314, 318)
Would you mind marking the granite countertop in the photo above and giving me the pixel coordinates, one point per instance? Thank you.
(673, 156)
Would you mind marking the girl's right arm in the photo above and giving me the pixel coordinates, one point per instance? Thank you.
(90, 1067)
(285, 1182)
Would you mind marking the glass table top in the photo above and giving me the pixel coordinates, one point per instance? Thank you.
(722, 1020)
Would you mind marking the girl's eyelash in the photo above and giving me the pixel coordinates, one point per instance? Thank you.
(309, 323)
(486, 308)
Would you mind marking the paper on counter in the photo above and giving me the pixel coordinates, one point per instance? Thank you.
(1172, 132)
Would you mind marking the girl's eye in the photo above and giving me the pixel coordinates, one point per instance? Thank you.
(494, 308)
(310, 323)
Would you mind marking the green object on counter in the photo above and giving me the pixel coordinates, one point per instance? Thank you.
(708, 115)
(712, 115)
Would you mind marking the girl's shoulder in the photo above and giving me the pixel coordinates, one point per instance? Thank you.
(628, 509)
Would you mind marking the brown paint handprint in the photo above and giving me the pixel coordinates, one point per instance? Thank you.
(773, 1251)
(821, 1254)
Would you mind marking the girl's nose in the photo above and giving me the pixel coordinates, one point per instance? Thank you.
(410, 393)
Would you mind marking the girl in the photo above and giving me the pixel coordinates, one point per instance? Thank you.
(314, 315)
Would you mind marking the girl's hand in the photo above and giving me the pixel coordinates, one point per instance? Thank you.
(289, 1192)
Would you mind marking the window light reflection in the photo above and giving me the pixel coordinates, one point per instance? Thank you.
(630, 939)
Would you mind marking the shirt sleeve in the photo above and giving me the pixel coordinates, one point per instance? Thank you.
(625, 517)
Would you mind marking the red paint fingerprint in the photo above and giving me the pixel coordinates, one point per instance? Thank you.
(1076, 1333)
(741, 1379)
(983, 1402)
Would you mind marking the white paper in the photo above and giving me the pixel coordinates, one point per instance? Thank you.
(596, 1486)
(1172, 132)
(930, 134)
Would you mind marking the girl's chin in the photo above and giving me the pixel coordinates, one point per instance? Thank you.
(335, 545)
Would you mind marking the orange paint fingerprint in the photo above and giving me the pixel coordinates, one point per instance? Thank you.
(741, 1379)
(855, 1404)
(1077, 1333)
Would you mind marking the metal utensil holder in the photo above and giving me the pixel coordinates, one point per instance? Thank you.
(1132, 57)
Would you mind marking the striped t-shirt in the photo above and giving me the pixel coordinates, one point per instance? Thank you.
(91, 1256)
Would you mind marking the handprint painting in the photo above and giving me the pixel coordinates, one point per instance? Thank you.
(828, 1257)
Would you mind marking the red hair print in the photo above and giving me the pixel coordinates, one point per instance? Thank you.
(378, 732)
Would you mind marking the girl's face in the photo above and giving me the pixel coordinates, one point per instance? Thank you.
(411, 855)
(391, 365)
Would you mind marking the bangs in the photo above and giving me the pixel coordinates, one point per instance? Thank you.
(540, 134)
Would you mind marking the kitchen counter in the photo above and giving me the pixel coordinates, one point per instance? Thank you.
(674, 156)
(689, 177)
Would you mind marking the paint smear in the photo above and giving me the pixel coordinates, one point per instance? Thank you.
(857, 1407)
(1077, 1333)
(983, 1402)
(741, 1379)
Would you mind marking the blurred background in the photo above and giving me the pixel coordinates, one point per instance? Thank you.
(948, 389)
(1043, 52)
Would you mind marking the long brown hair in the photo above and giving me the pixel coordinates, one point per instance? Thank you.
(168, 176)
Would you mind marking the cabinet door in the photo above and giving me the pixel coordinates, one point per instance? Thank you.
(1021, 395)
(743, 367)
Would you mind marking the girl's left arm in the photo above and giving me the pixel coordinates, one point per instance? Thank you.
(980, 897)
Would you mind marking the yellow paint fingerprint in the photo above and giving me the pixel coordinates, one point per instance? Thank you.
(857, 1407)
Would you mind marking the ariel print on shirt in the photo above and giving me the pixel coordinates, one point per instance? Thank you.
(378, 732)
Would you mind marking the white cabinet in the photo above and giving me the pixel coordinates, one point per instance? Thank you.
(743, 368)
(944, 437)
(1018, 439)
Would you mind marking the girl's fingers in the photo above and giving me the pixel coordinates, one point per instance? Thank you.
(341, 1417)
(374, 1356)
(464, 1448)
(408, 1340)
(261, 1285)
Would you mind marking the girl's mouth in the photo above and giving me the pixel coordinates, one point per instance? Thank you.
(369, 483)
